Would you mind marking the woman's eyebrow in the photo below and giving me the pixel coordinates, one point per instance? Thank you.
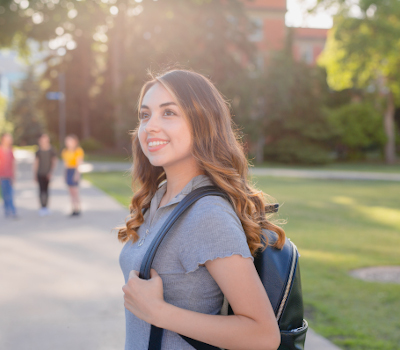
(167, 104)
(161, 105)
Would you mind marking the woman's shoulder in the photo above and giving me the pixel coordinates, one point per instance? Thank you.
(211, 229)
(213, 212)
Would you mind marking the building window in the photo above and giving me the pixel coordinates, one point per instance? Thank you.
(257, 29)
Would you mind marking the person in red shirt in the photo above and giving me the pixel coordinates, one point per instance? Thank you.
(7, 175)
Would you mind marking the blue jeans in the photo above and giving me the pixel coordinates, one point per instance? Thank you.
(7, 193)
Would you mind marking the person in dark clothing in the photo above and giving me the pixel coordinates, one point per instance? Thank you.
(45, 162)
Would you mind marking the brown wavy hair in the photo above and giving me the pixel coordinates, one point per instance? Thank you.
(217, 148)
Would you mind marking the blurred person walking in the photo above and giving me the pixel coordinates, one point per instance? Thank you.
(45, 162)
(72, 156)
(7, 175)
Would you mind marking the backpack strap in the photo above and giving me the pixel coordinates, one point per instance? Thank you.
(144, 273)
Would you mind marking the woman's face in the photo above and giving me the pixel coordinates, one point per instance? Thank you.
(164, 132)
(70, 142)
(44, 141)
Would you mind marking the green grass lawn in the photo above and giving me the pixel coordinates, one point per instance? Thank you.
(337, 226)
(107, 156)
(98, 157)
(351, 166)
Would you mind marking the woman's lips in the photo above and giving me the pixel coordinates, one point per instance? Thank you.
(156, 147)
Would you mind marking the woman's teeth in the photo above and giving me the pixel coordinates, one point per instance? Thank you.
(157, 143)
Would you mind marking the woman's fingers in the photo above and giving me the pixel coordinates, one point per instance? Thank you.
(153, 273)
(133, 274)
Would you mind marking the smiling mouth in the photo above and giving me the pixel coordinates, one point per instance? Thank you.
(156, 145)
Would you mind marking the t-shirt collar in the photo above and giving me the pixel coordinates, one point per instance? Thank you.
(196, 182)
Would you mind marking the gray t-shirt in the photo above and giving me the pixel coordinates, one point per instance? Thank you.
(210, 229)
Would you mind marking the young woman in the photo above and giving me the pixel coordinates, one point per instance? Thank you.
(72, 156)
(45, 162)
(186, 137)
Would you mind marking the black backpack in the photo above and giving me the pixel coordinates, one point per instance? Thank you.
(278, 269)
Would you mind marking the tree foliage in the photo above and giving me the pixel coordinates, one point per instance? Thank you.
(24, 114)
(363, 51)
(358, 127)
(295, 123)
(106, 47)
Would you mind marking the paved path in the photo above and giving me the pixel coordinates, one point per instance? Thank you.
(277, 172)
(60, 282)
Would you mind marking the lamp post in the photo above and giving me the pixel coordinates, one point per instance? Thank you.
(62, 116)
(62, 108)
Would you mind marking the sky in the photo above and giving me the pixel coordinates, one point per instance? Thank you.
(297, 15)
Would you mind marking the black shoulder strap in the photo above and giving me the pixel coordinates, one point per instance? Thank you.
(157, 333)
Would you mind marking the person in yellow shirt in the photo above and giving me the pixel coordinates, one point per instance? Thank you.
(72, 156)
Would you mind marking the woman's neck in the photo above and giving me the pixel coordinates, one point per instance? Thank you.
(177, 178)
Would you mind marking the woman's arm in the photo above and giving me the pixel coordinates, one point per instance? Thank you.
(252, 327)
(77, 174)
(54, 161)
(35, 168)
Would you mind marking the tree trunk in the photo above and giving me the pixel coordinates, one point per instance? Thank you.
(84, 105)
(115, 60)
(389, 125)
(260, 149)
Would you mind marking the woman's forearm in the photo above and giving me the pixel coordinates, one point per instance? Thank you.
(228, 332)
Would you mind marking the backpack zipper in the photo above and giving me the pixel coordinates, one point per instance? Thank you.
(289, 283)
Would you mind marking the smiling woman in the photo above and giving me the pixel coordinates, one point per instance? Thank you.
(185, 137)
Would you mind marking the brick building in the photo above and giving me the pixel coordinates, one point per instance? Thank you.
(269, 19)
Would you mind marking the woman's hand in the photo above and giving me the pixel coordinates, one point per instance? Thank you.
(144, 298)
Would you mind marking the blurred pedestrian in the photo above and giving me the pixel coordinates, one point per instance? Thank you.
(45, 162)
(72, 156)
(7, 175)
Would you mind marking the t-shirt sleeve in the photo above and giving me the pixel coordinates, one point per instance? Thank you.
(37, 154)
(79, 153)
(211, 230)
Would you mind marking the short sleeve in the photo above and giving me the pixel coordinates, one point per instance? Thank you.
(80, 153)
(37, 154)
(210, 230)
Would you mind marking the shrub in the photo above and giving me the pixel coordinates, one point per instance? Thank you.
(359, 128)
(91, 145)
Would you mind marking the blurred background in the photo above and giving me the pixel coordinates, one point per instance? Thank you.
(301, 95)
(314, 87)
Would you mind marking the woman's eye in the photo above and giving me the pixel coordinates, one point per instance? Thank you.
(143, 115)
(169, 112)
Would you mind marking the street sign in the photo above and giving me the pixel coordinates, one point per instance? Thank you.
(54, 95)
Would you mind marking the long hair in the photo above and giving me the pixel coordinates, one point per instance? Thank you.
(217, 148)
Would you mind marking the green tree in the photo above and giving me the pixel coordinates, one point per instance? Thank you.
(359, 127)
(5, 125)
(289, 121)
(363, 52)
(107, 46)
(24, 114)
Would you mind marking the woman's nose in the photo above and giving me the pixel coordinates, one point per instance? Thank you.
(152, 125)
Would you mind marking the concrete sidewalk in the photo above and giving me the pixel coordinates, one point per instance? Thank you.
(60, 278)
(60, 281)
